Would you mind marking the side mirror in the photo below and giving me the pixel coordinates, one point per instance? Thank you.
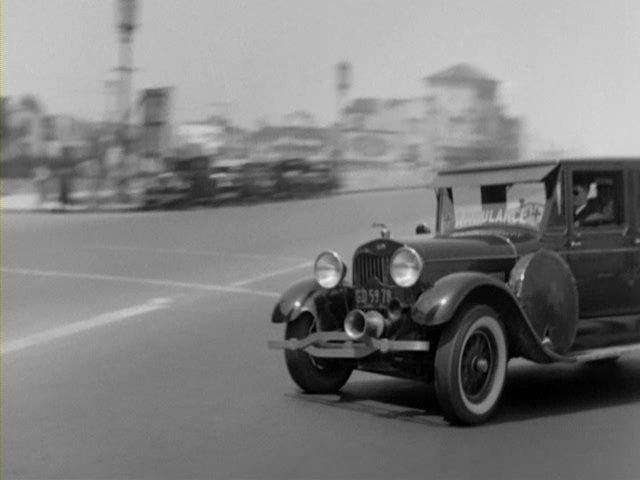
(422, 229)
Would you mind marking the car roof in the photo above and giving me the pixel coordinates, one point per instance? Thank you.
(494, 173)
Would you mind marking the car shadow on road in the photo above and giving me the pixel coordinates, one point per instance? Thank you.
(536, 391)
(532, 391)
(389, 398)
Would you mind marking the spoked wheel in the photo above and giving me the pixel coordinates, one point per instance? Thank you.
(471, 365)
(313, 375)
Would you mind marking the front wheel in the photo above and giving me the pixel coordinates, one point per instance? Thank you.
(313, 375)
(471, 365)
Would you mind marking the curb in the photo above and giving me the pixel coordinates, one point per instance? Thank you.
(30, 206)
(56, 207)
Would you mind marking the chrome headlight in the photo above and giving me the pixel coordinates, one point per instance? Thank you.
(406, 267)
(329, 269)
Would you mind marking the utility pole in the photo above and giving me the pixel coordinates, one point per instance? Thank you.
(343, 84)
(111, 100)
(126, 15)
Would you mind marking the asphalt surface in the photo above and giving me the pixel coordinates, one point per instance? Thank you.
(134, 346)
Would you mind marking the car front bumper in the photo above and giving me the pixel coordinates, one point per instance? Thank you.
(339, 345)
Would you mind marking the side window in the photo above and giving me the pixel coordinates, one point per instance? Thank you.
(597, 198)
(557, 216)
(447, 219)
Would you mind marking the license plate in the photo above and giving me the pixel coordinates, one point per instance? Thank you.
(373, 297)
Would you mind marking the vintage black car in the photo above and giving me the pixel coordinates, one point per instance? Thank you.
(167, 189)
(519, 266)
(304, 177)
(194, 171)
(260, 181)
(292, 177)
(184, 182)
(323, 176)
(228, 179)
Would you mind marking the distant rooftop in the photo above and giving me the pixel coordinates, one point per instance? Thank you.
(368, 106)
(364, 106)
(463, 72)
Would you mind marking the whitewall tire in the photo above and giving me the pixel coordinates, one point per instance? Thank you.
(471, 364)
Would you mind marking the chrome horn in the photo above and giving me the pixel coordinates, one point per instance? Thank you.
(358, 324)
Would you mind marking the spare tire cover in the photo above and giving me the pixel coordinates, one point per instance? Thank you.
(543, 283)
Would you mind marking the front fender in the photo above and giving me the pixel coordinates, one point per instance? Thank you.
(438, 304)
(329, 307)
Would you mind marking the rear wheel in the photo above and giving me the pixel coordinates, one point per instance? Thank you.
(470, 365)
(311, 374)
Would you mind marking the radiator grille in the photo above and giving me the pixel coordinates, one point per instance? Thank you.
(367, 266)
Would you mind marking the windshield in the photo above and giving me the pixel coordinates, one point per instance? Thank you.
(516, 205)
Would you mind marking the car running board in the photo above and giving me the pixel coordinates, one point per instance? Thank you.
(593, 354)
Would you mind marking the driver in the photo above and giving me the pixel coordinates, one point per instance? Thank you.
(585, 209)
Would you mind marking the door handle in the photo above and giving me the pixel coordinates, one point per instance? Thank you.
(575, 243)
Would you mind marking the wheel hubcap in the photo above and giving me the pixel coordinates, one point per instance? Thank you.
(481, 365)
(477, 366)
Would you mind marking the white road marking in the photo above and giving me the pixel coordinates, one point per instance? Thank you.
(53, 334)
(185, 251)
(144, 281)
(241, 283)
(124, 314)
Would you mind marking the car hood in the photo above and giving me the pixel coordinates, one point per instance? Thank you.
(492, 252)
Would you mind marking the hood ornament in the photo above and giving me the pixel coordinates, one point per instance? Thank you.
(384, 230)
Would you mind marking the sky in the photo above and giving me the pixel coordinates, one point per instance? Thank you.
(569, 68)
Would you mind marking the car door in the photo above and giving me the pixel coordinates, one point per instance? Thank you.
(600, 253)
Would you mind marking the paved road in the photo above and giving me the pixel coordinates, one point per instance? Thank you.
(134, 346)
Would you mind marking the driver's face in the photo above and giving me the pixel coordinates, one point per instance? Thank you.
(580, 193)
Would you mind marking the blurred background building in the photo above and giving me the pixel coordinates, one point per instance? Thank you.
(273, 143)
(383, 131)
(22, 127)
(465, 120)
(458, 119)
